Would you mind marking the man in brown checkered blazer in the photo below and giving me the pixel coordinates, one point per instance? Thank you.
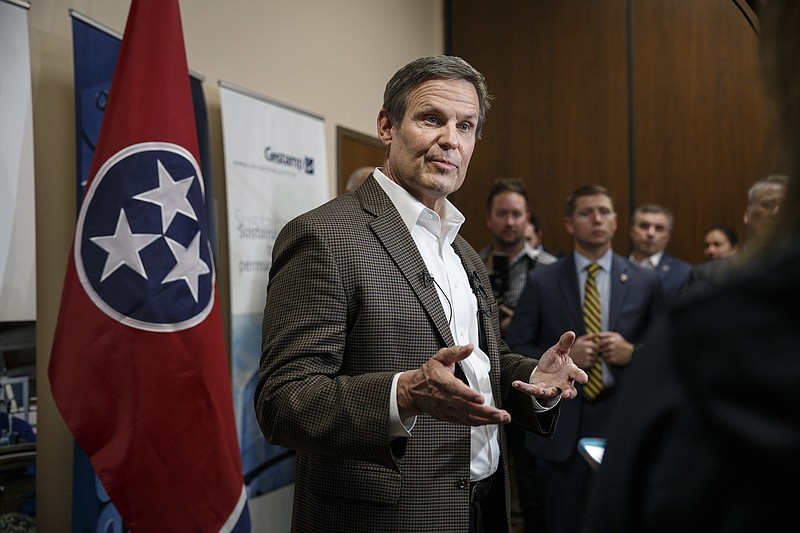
(382, 362)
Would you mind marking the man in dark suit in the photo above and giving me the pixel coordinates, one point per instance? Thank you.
(715, 445)
(689, 448)
(650, 233)
(382, 362)
(555, 478)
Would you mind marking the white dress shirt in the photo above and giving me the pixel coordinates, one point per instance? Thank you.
(434, 237)
(649, 262)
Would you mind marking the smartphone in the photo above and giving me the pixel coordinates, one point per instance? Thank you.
(592, 449)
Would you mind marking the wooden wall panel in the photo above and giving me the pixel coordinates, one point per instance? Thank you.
(355, 150)
(559, 115)
(559, 70)
(700, 121)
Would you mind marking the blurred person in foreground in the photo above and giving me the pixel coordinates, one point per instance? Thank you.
(382, 362)
(713, 445)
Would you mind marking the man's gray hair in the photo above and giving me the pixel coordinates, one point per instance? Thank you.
(395, 97)
(758, 186)
(657, 210)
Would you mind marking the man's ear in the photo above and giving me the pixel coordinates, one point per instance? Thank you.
(385, 125)
(568, 225)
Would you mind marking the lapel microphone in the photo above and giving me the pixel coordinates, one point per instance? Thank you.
(475, 282)
(477, 288)
(427, 279)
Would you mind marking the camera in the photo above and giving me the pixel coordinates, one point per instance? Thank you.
(498, 276)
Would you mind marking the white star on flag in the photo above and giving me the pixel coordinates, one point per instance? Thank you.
(170, 195)
(123, 247)
(189, 266)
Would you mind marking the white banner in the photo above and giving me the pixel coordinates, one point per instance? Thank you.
(17, 215)
(275, 169)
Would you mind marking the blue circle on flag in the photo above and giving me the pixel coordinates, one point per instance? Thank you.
(142, 250)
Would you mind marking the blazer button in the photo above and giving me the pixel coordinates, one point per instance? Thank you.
(463, 483)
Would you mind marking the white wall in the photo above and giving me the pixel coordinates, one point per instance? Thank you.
(331, 58)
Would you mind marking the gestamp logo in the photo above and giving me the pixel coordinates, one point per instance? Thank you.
(301, 164)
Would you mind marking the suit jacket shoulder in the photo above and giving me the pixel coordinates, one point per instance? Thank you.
(674, 275)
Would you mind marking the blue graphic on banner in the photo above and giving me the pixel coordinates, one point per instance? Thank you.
(94, 55)
(266, 467)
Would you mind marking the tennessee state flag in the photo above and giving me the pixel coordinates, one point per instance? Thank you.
(139, 367)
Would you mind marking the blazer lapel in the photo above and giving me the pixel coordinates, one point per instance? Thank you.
(485, 307)
(391, 231)
(620, 282)
(486, 311)
(571, 293)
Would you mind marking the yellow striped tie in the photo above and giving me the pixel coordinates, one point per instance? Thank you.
(591, 317)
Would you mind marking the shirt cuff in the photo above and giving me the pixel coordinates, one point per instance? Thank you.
(398, 427)
(542, 405)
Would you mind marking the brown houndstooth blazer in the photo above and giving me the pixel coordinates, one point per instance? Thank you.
(346, 310)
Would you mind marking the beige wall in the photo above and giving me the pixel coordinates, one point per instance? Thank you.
(329, 58)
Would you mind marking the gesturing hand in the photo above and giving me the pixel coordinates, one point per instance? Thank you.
(434, 389)
(556, 373)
